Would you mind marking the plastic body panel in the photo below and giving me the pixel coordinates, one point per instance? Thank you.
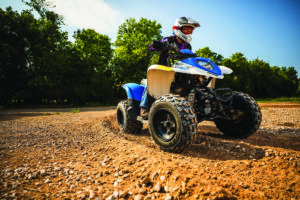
(134, 91)
(159, 80)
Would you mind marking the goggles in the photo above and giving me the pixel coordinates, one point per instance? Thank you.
(184, 29)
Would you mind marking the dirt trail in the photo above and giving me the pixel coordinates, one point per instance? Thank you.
(56, 154)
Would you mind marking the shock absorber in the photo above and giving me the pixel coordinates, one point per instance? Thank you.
(191, 98)
(207, 107)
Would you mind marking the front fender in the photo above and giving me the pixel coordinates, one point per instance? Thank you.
(134, 91)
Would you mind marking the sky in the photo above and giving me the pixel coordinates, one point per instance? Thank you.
(265, 29)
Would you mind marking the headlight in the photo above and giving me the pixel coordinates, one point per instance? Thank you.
(179, 64)
(207, 65)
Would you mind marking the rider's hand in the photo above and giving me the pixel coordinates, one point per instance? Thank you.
(156, 44)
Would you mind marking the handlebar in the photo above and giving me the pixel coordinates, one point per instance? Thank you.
(175, 53)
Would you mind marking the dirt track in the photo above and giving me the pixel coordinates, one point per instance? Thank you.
(56, 154)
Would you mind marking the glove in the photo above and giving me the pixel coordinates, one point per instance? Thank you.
(158, 45)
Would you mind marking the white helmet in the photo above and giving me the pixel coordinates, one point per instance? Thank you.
(183, 28)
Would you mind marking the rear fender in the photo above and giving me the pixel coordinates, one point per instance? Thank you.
(134, 91)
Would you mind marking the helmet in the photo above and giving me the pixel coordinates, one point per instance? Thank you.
(183, 28)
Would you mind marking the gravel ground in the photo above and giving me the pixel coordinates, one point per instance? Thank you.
(57, 154)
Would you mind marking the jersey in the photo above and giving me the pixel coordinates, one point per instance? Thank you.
(164, 55)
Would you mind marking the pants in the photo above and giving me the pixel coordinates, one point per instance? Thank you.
(144, 101)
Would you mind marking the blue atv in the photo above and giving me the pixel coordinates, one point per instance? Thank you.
(181, 96)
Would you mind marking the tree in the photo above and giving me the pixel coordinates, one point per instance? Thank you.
(240, 79)
(47, 54)
(205, 52)
(93, 51)
(290, 80)
(132, 55)
(14, 73)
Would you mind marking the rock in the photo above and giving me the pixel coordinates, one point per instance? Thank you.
(175, 178)
(175, 189)
(167, 189)
(162, 178)
(29, 177)
(183, 189)
(111, 197)
(116, 194)
(53, 175)
(43, 172)
(142, 190)
(78, 178)
(243, 185)
(138, 197)
(37, 184)
(56, 169)
(92, 194)
(47, 181)
(34, 175)
(157, 187)
(125, 176)
(168, 197)
(123, 194)
(146, 181)
(154, 175)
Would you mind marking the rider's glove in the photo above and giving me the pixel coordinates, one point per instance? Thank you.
(158, 45)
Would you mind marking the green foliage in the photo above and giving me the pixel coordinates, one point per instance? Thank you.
(207, 53)
(132, 56)
(39, 65)
(75, 111)
(91, 54)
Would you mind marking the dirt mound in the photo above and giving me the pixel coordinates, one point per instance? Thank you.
(63, 155)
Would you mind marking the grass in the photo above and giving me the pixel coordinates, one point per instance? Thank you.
(75, 111)
(281, 99)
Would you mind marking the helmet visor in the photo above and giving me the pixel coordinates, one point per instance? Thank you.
(185, 29)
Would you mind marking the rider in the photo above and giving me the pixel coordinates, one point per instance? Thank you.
(183, 29)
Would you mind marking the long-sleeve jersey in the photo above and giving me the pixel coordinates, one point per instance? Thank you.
(164, 55)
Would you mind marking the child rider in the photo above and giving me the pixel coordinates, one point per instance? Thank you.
(183, 29)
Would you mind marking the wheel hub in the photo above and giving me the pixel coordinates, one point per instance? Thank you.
(165, 125)
(168, 124)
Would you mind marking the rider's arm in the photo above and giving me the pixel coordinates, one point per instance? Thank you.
(188, 46)
(157, 45)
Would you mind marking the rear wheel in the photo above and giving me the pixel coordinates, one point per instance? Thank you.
(245, 116)
(172, 123)
(125, 124)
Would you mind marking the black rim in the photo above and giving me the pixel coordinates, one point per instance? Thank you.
(120, 117)
(164, 124)
(236, 115)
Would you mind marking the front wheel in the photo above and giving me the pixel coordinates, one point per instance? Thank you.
(125, 124)
(244, 116)
(172, 123)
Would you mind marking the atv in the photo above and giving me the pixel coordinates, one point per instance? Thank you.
(181, 96)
